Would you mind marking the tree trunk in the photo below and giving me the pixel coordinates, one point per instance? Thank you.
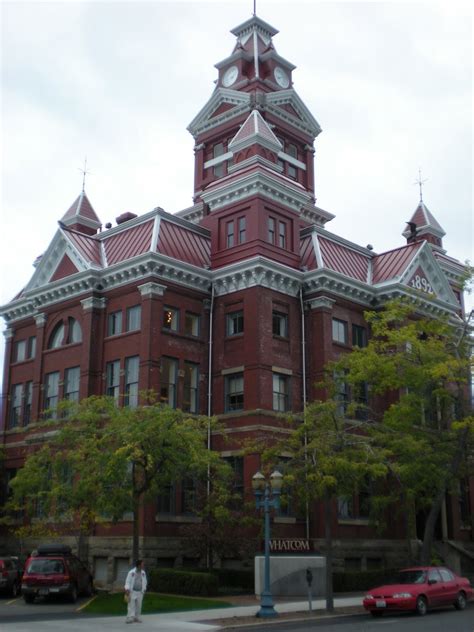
(136, 527)
(328, 546)
(430, 525)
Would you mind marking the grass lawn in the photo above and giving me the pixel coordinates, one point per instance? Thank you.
(111, 604)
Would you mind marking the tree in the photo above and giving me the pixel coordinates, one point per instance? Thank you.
(330, 457)
(421, 365)
(102, 461)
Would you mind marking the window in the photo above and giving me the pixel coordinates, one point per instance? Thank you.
(74, 331)
(112, 377)
(339, 331)
(134, 316)
(171, 318)
(71, 384)
(280, 392)
(464, 503)
(234, 392)
(167, 500)
(191, 324)
(292, 150)
(114, 323)
(242, 229)
(342, 394)
(51, 393)
(57, 336)
(27, 401)
(359, 336)
(15, 405)
(361, 398)
(169, 381)
(235, 323)
(280, 324)
(218, 150)
(188, 496)
(31, 346)
(446, 575)
(20, 351)
(131, 382)
(282, 234)
(345, 508)
(237, 465)
(271, 230)
(229, 229)
(190, 401)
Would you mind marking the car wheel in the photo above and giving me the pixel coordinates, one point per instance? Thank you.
(376, 613)
(460, 602)
(73, 594)
(29, 598)
(421, 606)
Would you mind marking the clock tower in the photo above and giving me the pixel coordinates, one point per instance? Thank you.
(254, 155)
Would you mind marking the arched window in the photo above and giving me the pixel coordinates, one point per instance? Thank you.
(57, 337)
(74, 331)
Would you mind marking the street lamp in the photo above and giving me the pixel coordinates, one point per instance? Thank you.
(267, 495)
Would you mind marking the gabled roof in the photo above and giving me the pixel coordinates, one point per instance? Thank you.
(274, 102)
(255, 130)
(425, 222)
(81, 211)
(206, 118)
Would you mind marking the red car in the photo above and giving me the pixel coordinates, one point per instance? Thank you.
(52, 570)
(419, 589)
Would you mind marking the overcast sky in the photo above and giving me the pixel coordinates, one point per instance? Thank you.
(389, 83)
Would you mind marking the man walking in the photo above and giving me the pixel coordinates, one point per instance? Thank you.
(135, 587)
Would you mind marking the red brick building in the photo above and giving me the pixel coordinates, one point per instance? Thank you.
(231, 307)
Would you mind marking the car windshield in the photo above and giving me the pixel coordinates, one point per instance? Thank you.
(409, 577)
(45, 567)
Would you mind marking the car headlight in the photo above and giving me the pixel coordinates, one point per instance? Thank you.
(402, 595)
(368, 597)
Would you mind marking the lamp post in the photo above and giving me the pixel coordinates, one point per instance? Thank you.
(267, 496)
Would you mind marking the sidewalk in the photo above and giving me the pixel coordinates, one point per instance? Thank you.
(195, 621)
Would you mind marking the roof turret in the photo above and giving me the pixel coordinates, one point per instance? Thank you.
(81, 216)
(424, 227)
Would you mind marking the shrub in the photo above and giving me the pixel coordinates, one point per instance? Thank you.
(183, 582)
(355, 581)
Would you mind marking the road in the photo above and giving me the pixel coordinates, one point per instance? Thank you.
(436, 621)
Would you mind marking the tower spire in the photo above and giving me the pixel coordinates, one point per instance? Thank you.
(420, 183)
(84, 173)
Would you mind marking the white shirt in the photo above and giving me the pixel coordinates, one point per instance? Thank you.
(131, 579)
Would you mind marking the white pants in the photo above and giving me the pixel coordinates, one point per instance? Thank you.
(134, 607)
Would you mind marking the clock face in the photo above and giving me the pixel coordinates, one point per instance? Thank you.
(281, 77)
(230, 76)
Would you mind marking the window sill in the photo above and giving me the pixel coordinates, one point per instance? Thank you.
(342, 345)
(163, 517)
(361, 522)
(121, 335)
(21, 362)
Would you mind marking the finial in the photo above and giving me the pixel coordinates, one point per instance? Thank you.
(84, 173)
(420, 183)
(254, 8)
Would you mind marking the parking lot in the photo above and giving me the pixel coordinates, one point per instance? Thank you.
(40, 608)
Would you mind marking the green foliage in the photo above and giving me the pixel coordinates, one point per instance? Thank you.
(102, 461)
(355, 581)
(183, 582)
